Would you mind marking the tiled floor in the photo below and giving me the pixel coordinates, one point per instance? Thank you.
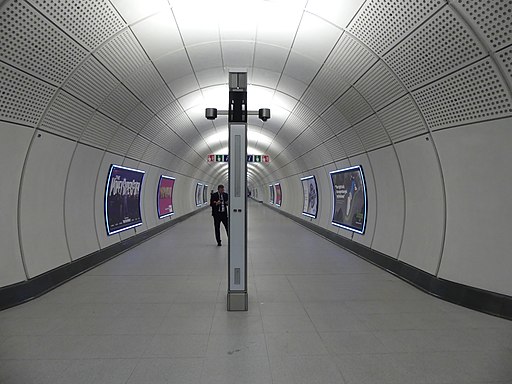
(318, 314)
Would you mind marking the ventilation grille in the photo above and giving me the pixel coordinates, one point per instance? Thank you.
(350, 142)
(119, 104)
(330, 84)
(335, 120)
(23, 98)
(371, 133)
(473, 94)
(122, 55)
(32, 43)
(97, 19)
(350, 59)
(144, 82)
(353, 106)
(315, 100)
(493, 18)
(379, 86)
(321, 128)
(100, 131)
(138, 148)
(67, 116)
(381, 24)
(335, 149)
(304, 113)
(441, 46)
(402, 119)
(160, 99)
(121, 141)
(138, 118)
(91, 83)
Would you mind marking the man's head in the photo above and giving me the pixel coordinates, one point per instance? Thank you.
(220, 188)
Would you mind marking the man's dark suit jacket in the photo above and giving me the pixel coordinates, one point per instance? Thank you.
(215, 197)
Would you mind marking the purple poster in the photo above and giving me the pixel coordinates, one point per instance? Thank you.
(165, 189)
(279, 196)
(349, 199)
(205, 194)
(122, 199)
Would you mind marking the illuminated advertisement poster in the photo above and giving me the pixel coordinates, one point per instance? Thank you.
(199, 194)
(310, 205)
(205, 194)
(122, 199)
(271, 189)
(279, 196)
(349, 199)
(164, 203)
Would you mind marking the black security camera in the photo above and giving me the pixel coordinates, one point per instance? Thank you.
(264, 114)
(211, 113)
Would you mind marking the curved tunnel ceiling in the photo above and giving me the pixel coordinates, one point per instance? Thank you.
(341, 77)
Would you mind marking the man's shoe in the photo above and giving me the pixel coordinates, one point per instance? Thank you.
(219, 244)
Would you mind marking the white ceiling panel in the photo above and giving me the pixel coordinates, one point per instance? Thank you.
(278, 24)
(301, 68)
(191, 100)
(158, 34)
(132, 11)
(270, 57)
(337, 12)
(174, 65)
(205, 56)
(315, 38)
(195, 27)
(237, 54)
(265, 78)
(212, 76)
(291, 86)
(184, 85)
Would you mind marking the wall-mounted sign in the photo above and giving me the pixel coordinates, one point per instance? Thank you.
(164, 200)
(216, 158)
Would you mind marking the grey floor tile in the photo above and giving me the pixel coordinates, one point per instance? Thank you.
(28, 326)
(269, 296)
(288, 323)
(183, 345)
(183, 325)
(350, 342)
(330, 322)
(282, 308)
(236, 370)
(44, 347)
(116, 346)
(98, 371)
(191, 310)
(372, 369)
(305, 370)
(295, 344)
(32, 371)
(236, 345)
(165, 371)
(236, 323)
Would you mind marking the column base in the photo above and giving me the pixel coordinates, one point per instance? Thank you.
(238, 301)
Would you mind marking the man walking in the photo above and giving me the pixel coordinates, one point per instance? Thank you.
(219, 203)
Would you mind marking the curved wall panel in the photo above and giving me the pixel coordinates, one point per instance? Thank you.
(42, 204)
(14, 143)
(79, 215)
(425, 206)
(476, 162)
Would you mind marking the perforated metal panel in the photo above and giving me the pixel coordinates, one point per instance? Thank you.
(504, 58)
(353, 106)
(304, 113)
(144, 82)
(372, 133)
(322, 130)
(98, 19)
(335, 120)
(151, 153)
(441, 46)
(170, 112)
(23, 97)
(381, 24)
(159, 99)
(476, 93)
(350, 59)
(121, 141)
(330, 84)
(315, 100)
(153, 128)
(350, 142)
(492, 18)
(183, 127)
(92, 82)
(379, 86)
(123, 55)
(335, 149)
(67, 116)
(99, 131)
(402, 119)
(119, 104)
(138, 148)
(32, 43)
(138, 118)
